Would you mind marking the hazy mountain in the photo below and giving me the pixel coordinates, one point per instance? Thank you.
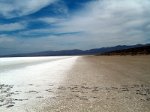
(77, 52)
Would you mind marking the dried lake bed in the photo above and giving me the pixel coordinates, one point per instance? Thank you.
(75, 84)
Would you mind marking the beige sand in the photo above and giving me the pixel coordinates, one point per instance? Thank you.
(94, 84)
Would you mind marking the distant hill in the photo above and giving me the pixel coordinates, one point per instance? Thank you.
(139, 50)
(100, 51)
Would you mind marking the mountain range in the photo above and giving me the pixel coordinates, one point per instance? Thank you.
(99, 51)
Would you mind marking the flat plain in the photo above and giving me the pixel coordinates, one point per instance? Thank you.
(75, 84)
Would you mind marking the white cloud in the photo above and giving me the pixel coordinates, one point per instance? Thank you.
(12, 27)
(111, 22)
(103, 23)
(4, 39)
(15, 8)
(51, 20)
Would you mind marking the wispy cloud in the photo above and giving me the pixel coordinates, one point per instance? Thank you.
(51, 20)
(12, 27)
(15, 8)
(112, 22)
(5, 39)
(99, 23)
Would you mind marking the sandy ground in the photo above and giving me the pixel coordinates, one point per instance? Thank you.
(75, 84)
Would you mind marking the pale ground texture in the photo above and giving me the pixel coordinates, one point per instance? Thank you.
(75, 84)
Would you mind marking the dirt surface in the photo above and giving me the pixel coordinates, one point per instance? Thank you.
(89, 84)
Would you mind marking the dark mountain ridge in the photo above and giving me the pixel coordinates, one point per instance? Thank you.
(141, 50)
(102, 50)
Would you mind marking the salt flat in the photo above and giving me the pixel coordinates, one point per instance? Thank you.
(75, 84)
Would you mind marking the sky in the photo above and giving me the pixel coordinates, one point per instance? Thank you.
(43, 25)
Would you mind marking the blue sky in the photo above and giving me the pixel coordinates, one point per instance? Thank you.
(41, 25)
